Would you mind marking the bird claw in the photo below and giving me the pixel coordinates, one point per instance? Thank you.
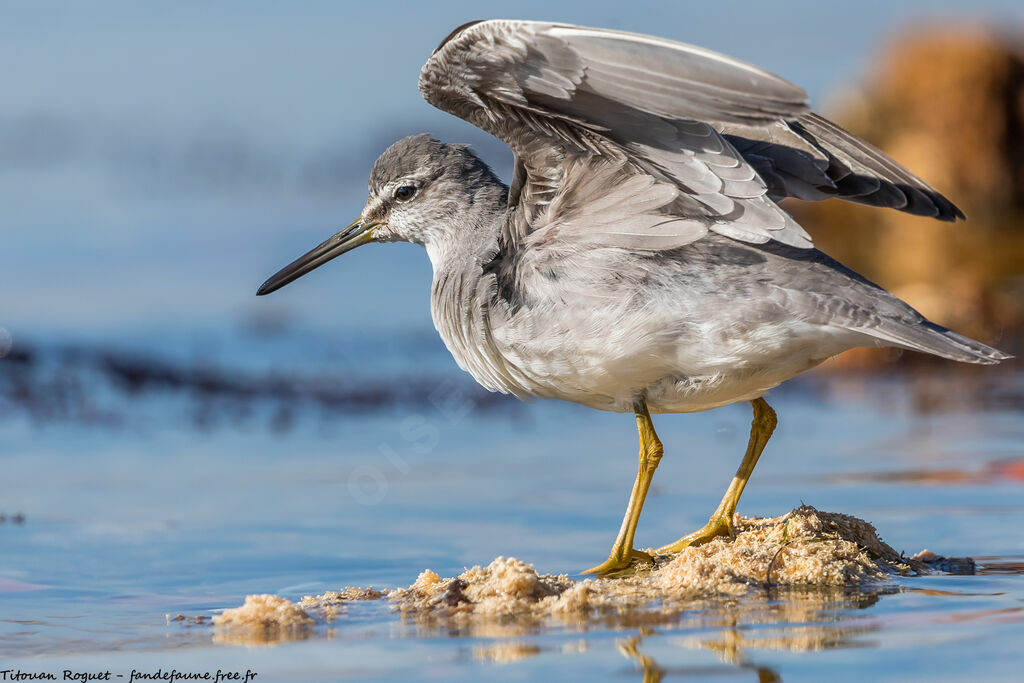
(619, 564)
(719, 525)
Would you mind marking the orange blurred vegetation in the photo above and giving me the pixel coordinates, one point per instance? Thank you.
(948, 103)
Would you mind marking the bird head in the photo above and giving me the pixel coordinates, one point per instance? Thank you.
(417, 186)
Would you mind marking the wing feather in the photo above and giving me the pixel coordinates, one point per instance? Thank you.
(629, 140)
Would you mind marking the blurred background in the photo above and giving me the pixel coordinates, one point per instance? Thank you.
(159, 160)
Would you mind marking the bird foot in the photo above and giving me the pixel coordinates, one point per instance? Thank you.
(619, 563)
(718, 525)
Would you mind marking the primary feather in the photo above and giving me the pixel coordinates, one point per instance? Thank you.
(730, 139)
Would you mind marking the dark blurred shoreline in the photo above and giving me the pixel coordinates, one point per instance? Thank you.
(110, 387)
(114, 388)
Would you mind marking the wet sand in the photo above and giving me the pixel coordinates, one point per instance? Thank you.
(805, 548)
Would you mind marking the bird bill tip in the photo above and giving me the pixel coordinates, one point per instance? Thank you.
(355, 234)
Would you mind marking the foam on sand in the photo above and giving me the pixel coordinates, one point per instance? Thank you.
(805, 548)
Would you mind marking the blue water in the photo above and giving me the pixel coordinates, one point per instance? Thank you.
(155, 513)
(170, 443)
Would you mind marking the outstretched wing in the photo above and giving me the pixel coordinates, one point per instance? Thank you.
(814, 159)
(628, 140)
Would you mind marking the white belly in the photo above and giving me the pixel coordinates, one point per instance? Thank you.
(674, 373)
(605, 352)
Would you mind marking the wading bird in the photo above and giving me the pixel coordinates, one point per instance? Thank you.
(639, 261)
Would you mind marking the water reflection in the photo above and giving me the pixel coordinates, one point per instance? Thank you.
(788, 619)
(797, 620)
(792, 620)
(505, 651)
(653, 673)
(630, 648)
(1012, 564)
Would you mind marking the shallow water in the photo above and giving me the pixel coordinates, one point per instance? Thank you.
(152, 497)
(157, 457)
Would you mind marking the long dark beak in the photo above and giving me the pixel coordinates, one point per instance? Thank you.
(356, 234)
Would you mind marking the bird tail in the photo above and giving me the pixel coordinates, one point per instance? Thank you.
(937, 340)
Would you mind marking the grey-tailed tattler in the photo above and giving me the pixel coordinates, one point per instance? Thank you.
(639, 260)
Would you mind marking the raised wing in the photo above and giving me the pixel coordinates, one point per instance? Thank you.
(631, 124)
(814, 159)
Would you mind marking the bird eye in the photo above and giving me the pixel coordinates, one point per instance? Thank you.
(405, 193)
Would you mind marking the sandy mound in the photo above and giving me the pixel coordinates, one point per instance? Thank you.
(814, 557)
(804, 548)
(262, 619)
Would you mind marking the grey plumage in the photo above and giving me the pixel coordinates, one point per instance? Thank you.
(814, 159)
(640, 251)
(635, 143)
(717, 141)
(640, 260)
(572, 313)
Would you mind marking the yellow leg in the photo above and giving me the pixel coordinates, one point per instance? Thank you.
(650, 455)
(720, 523)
